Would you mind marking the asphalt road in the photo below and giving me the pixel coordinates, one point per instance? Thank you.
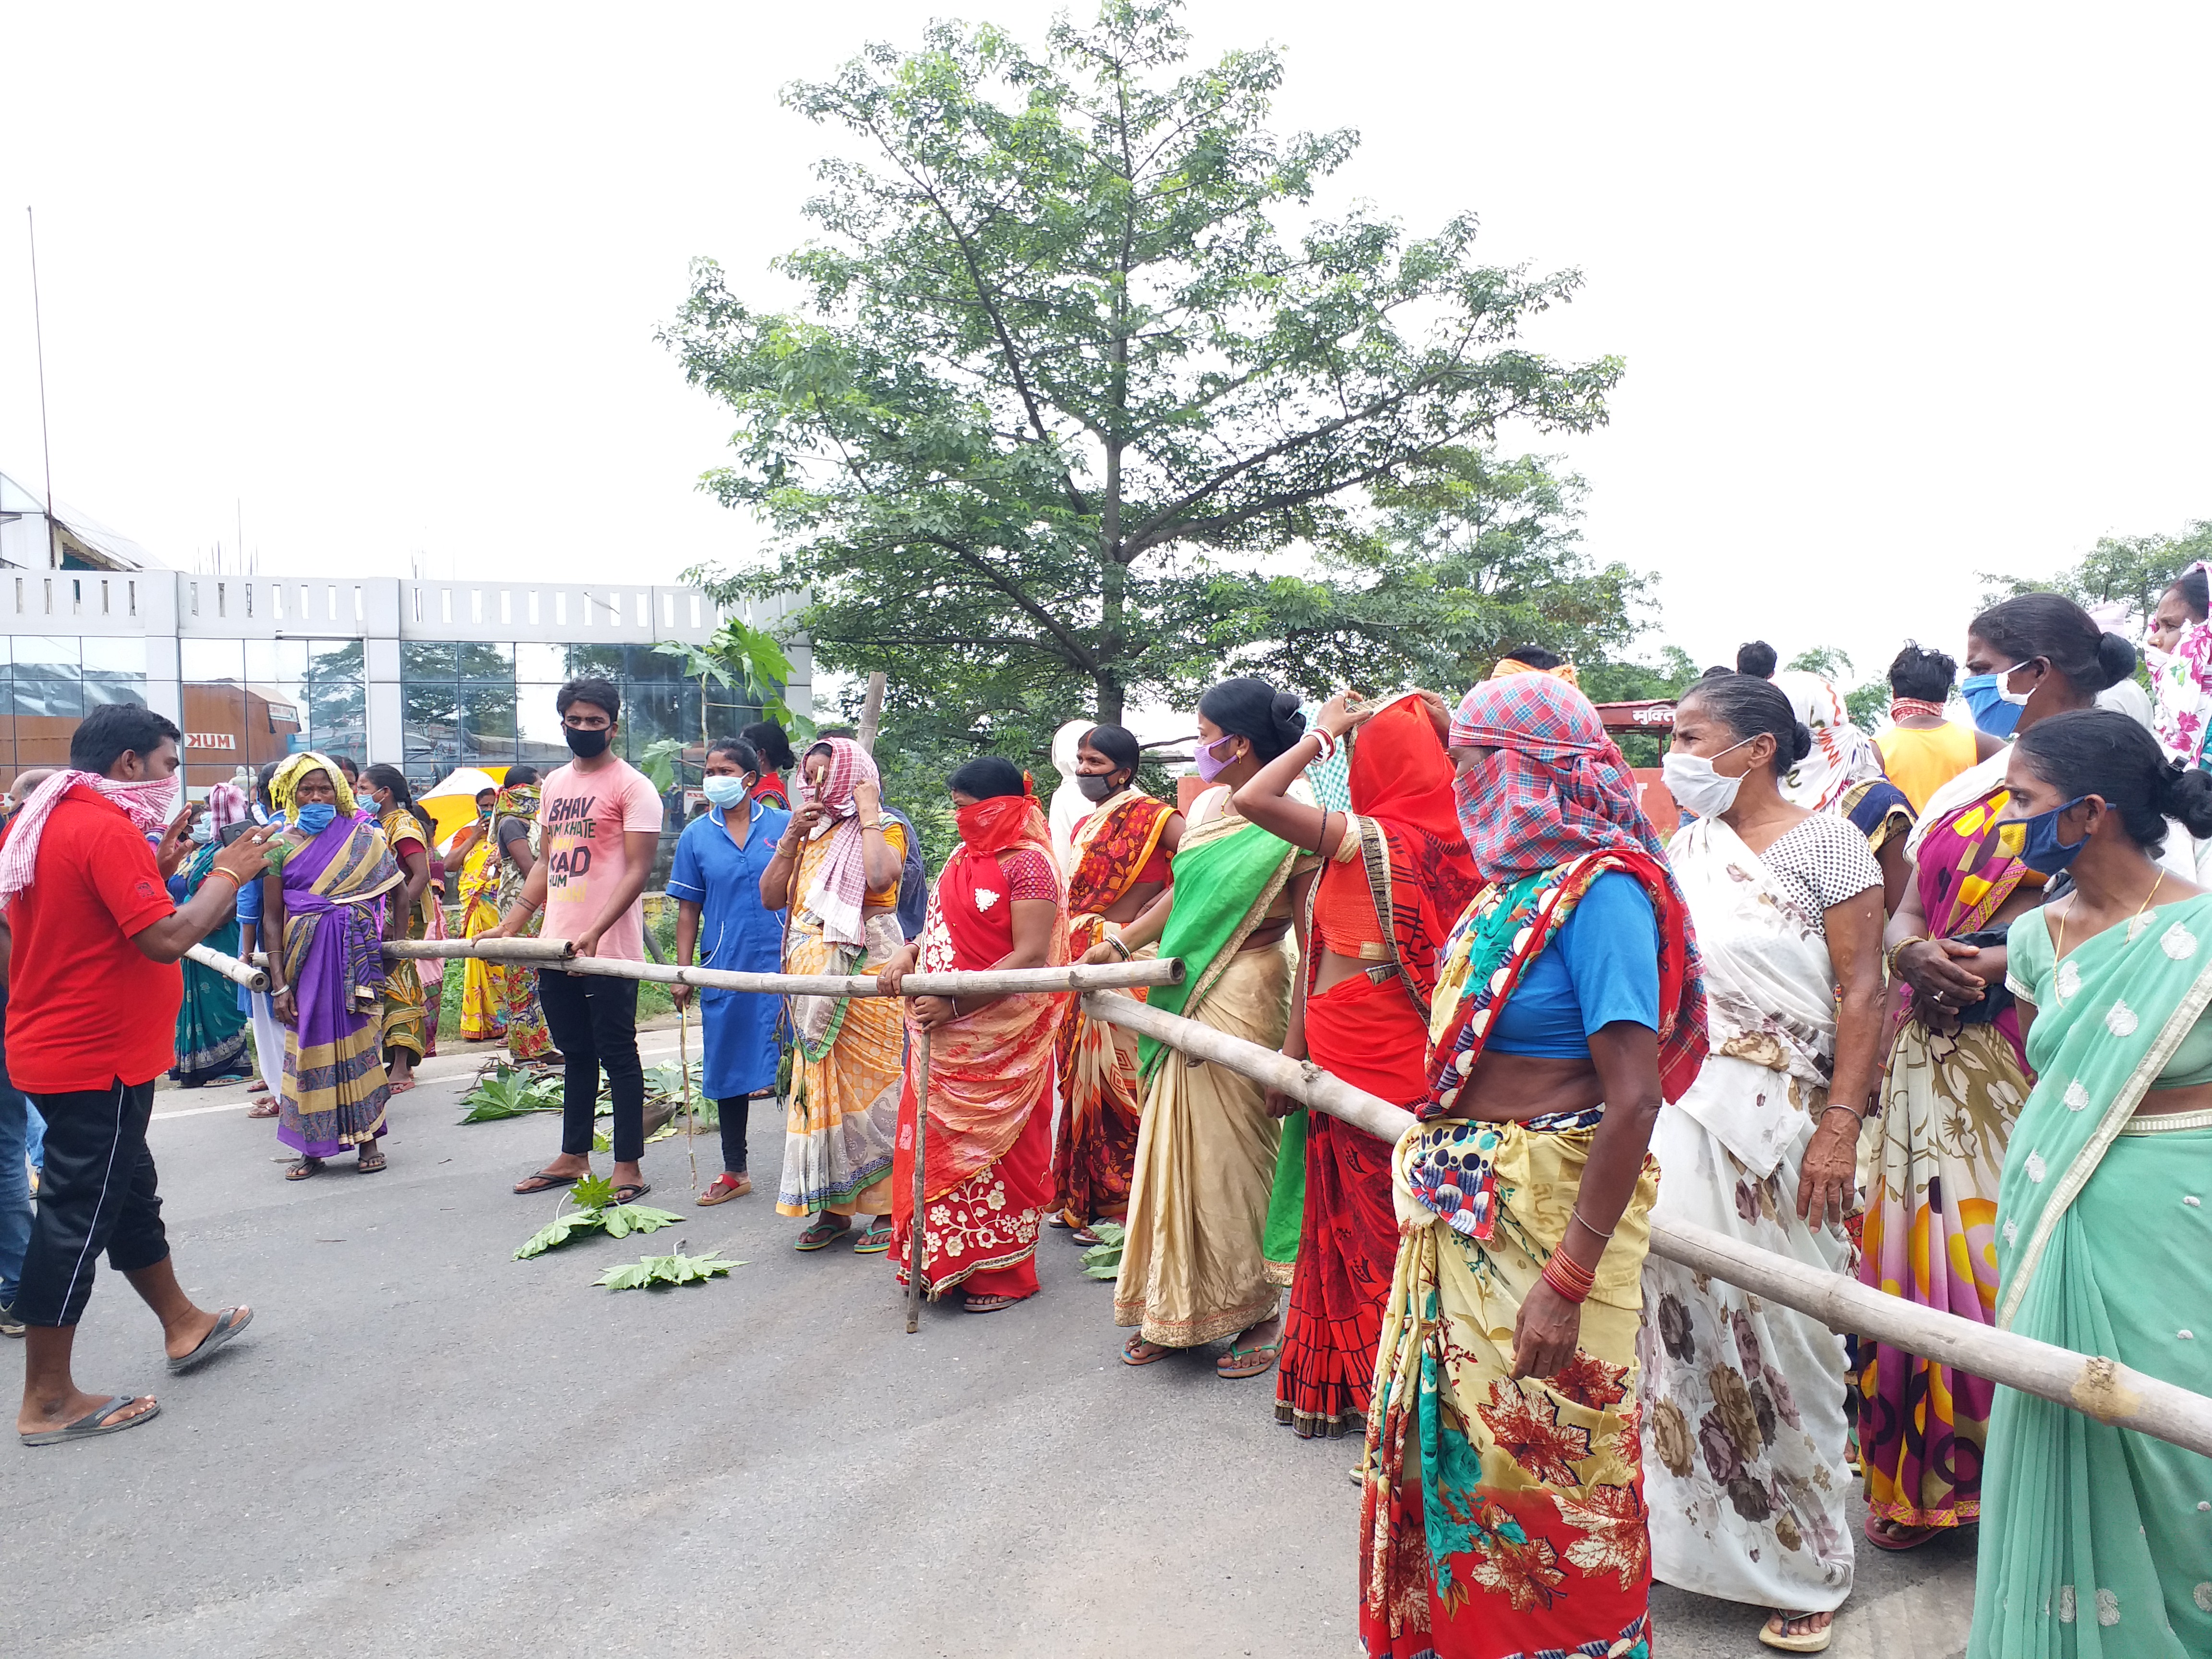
(423, 1447)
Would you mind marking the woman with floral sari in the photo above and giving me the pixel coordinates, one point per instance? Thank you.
(211, 1022)
(1119, 866)
(1374, 924)
(516, 829)
(1503, 1510)
(986, 1172)
(836, 867)
(1193, 1269)
(1745, 1469)
(2094, 1538)
(327, 978)
(1954, 1080)
(406, 1006)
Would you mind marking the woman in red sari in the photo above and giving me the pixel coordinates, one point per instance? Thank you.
(1120, 868)
(993, 1075)
(1397, 877)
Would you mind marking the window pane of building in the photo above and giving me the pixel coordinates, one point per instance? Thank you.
(211, 659)
(488, 721)
(48, 659)
(538, 727)
(114, 659)
(426, 659)
(97, 692)
(431, 719)
(276, 662)
(482, 661)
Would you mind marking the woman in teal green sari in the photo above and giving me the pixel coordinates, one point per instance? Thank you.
(2097, 1540)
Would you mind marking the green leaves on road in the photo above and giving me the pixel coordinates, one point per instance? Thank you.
(595, 1211)
(678, 1270)
(509, 1092)
(1103, 1259)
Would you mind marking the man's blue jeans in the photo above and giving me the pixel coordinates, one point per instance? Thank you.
(15, 1177)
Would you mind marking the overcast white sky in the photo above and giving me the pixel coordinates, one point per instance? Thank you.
(1904, 292)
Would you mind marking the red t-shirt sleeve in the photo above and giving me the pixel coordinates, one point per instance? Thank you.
(120, 867)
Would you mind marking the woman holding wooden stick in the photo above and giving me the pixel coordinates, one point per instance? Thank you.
(987, 1162)
(1503, 1510)
(1397, 879)
(836, 867)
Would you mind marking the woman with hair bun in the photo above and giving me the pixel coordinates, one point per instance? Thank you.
(2101, 1237)
(1956, 1077)
(1192, 1271)
(773, 745)
(1744, 1469)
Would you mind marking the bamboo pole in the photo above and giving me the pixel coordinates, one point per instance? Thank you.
(2098, 1387)
(872, 713)
(251, 977)
(484, 950)
(1002, 981)
(917, 1255)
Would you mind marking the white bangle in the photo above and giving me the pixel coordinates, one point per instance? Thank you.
(1322, 735)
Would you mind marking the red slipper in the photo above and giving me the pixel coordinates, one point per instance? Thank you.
(1914, 1538)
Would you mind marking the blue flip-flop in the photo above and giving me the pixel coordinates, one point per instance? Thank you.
(90, 1424)
(227, 1324)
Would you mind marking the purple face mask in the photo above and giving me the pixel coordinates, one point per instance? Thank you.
(1211, 765)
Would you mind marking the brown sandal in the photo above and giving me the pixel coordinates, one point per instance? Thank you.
(264, 1109)
(304, 1168)
(723, 1189)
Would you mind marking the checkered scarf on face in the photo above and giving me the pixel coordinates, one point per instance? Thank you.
(1554, 788)
(840, 884)
(147, 804)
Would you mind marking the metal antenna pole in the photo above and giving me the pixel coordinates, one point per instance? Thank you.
(38, 334)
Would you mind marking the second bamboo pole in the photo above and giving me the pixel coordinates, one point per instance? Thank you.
(917, 1256)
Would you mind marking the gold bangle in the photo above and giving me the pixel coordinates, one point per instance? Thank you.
(236, 885)
(1889, 962)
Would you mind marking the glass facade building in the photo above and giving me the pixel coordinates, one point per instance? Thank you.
(427, 676)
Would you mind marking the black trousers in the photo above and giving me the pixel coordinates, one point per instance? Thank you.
(99, 1193)
(734, 1112)
(594, 1023)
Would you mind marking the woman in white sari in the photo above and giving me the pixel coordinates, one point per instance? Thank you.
(1744, 1465)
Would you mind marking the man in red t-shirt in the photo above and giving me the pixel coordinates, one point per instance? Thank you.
(96, 941)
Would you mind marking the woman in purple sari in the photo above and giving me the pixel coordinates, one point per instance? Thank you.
(324, 903)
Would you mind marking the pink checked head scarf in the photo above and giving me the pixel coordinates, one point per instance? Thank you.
(147, 803)
(1555, 786)
(226, 804)
(1842, 755)
(840, 885)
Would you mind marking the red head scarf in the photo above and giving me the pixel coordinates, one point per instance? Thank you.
(1555, 786)
(997, 822)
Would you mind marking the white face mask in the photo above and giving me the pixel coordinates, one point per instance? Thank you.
(2154, 659)
(1695, 785)
(2017, 699)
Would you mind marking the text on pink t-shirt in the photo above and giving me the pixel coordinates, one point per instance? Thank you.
(584, 817)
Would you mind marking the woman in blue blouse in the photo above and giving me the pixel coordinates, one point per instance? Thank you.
(715, 882)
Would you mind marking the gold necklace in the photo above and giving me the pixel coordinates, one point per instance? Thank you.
(2058, 951)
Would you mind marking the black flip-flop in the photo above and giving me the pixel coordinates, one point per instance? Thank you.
(631, 1194)
(90, 1424)
(546, 1181)
(227, 1324)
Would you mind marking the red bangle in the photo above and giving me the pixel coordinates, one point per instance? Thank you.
(236, 885)
(1569, 1278)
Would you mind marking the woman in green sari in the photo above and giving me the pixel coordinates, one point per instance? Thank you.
(2097, 1540)
(1193, 1268)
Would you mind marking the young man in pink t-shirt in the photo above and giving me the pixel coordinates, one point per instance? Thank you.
(599, 826)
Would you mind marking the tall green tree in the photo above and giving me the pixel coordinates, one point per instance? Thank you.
(1063, 370)
(2129, 571)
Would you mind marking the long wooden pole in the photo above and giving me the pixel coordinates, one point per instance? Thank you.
(238, 973)
(917, 1255)
(872, 713)
(483, 950)
(2100, 1387)
(988, 982)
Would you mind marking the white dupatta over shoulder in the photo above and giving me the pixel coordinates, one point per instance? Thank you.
(1769, 996)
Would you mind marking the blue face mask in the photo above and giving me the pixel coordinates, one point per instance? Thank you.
(725, 791)
(1986, 701)
(318, 817)
(2034, 841)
